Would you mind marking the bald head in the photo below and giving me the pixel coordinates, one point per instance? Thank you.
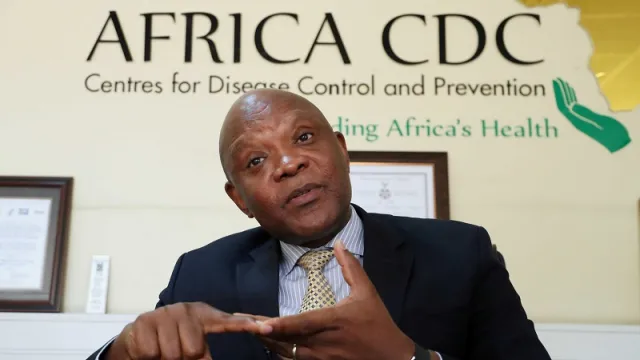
(258, 105)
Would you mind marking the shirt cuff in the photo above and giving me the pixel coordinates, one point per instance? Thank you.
(100, 355)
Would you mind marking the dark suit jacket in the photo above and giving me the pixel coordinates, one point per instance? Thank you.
(440, 280)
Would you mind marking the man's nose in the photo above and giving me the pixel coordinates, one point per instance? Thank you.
(290, 165)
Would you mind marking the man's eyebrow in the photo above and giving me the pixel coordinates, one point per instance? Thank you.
(234, 147)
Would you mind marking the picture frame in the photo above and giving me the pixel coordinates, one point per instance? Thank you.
(35, 215)
(414, 184)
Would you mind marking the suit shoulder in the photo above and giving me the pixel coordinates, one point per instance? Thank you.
(231, 246)
(458, 241)
(438, 233)
(421, 225)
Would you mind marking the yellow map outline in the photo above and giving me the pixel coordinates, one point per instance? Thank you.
(614, 28)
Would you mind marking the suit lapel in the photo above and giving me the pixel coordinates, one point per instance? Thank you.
(257, 280)
(387, 260)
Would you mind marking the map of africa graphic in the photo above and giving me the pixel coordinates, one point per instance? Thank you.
(613, 27)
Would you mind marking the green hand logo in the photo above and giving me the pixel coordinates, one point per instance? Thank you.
(606, 130)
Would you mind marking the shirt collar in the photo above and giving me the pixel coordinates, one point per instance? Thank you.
(352, 236)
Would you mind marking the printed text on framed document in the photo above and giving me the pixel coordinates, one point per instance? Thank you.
(34, 225)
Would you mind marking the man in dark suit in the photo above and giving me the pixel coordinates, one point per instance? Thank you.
(321, 278)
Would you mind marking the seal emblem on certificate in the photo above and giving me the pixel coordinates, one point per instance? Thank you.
(401, 183)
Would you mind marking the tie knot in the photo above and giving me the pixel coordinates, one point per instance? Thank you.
(315, 260)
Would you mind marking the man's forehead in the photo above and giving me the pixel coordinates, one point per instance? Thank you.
(265, 121)
(264, 110)
(253, 107)
(261, 114)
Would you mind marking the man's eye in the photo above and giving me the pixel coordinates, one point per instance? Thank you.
(254, 162)
(305, 137)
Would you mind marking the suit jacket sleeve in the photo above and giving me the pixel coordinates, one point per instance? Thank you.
(498, 327)
(165, 298)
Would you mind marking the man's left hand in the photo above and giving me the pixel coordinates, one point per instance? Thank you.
(358, 327)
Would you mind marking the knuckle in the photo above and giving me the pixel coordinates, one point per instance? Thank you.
(137, 327)
(167, 309)
(195, 309)
(172, 354)
(184, 308)
(170, 314)
(144, 318)
(197, 305)
(193, 352)
(177, 311)
(181, 307)
(139, 337)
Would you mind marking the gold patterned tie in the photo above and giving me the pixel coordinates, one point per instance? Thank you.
(319, 293)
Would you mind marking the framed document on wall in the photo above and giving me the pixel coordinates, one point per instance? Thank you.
(34, 225)
(414, 184)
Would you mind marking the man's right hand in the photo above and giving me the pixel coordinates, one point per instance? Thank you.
(178, 331)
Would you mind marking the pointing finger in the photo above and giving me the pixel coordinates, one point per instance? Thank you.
(254, 317)
(215, 321)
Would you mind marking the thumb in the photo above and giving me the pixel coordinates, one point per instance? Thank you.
(352, 271)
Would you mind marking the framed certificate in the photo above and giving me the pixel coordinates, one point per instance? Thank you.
(34, 225)
(414, 184)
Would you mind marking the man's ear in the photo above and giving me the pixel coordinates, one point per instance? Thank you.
(234, 195)
(343, 146)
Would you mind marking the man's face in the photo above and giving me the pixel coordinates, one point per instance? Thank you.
(288, 169)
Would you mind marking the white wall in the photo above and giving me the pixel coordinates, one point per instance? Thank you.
(75, 336)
